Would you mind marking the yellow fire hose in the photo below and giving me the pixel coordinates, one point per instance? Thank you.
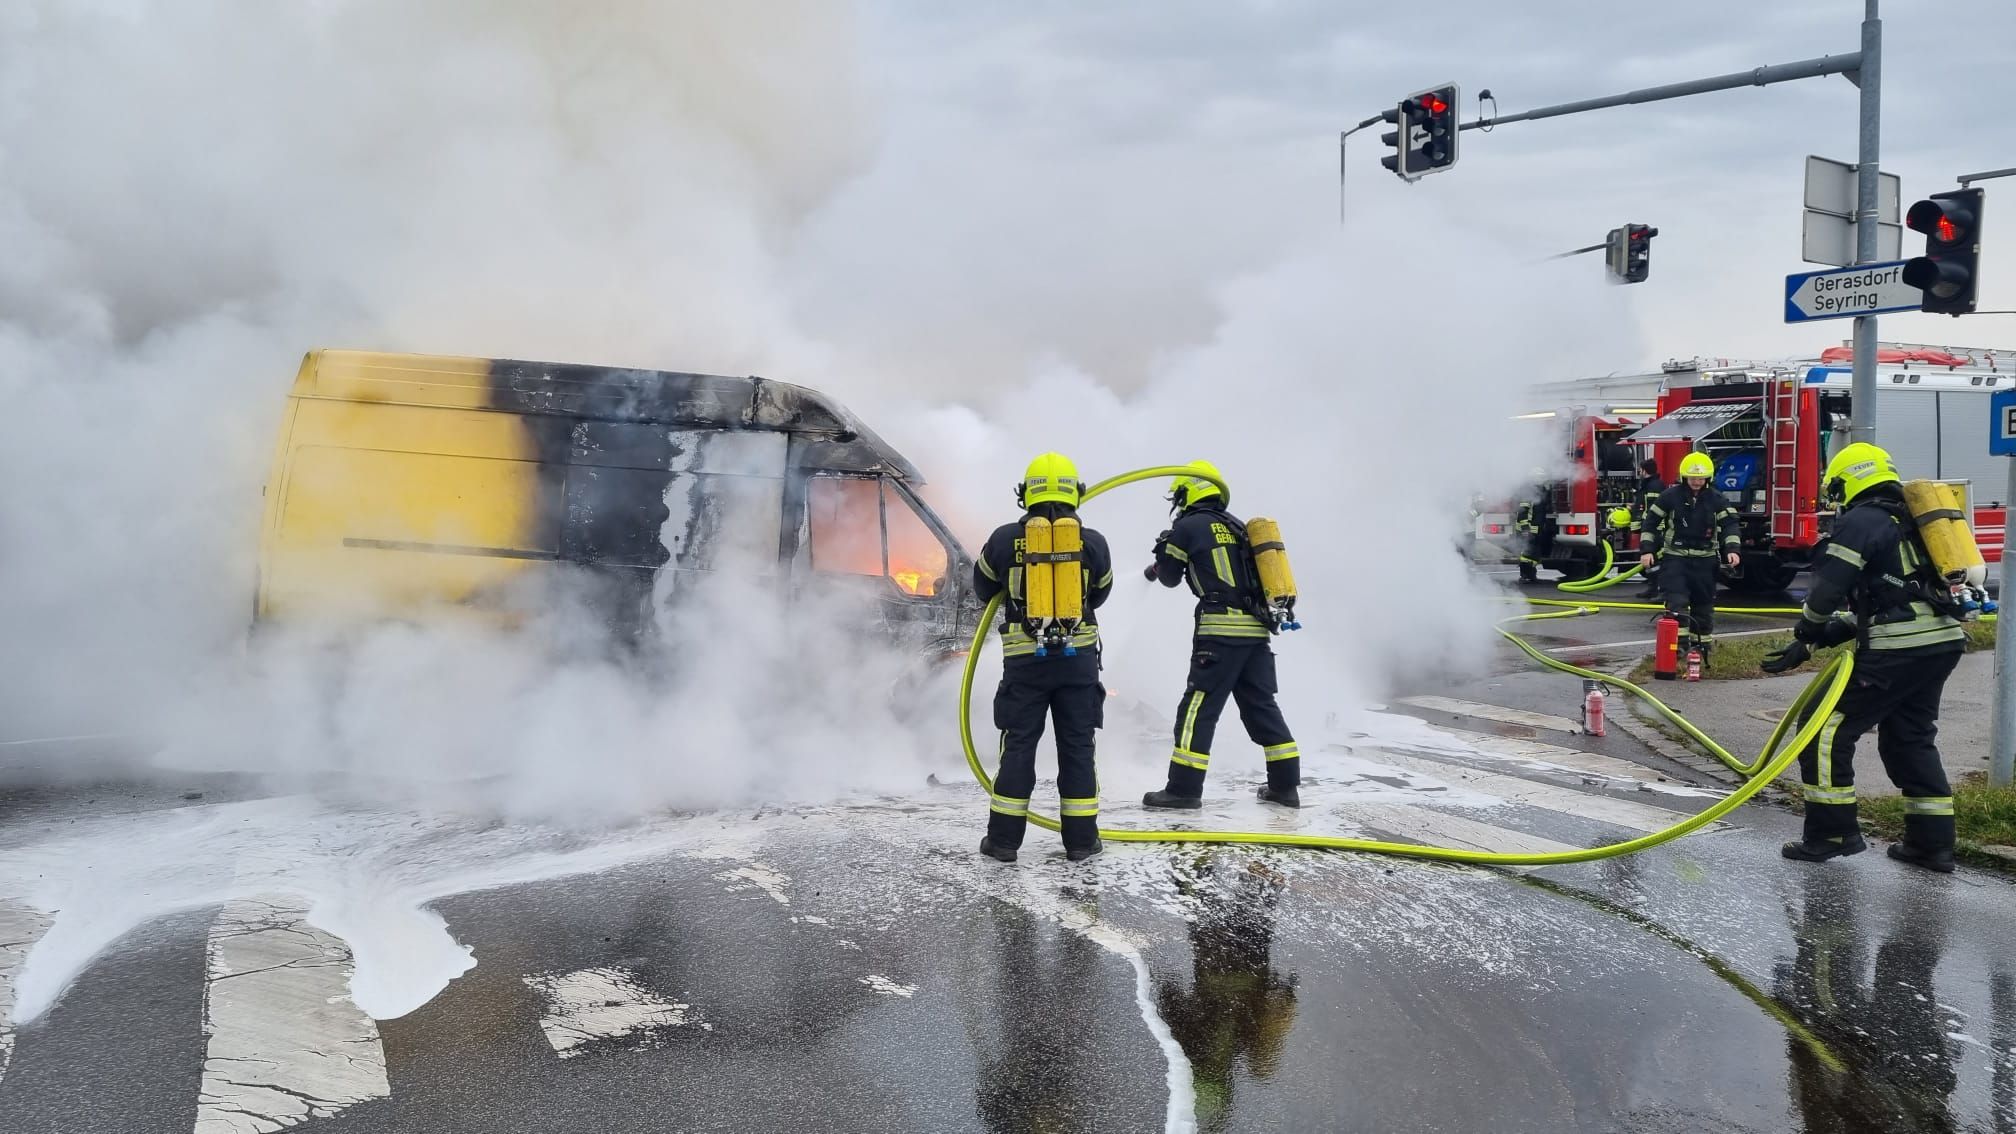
(1602, 578)
(1819, 696)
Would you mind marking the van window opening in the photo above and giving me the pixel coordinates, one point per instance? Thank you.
(865, 526)
(918, 561)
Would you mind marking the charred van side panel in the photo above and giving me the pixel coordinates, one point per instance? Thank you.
(486, 482)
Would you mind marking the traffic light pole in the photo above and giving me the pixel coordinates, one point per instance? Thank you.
(1868, 77)
(1756, 77)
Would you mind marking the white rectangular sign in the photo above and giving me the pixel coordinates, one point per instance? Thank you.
(1828, 239)
(1830, 188)
(1866, 289)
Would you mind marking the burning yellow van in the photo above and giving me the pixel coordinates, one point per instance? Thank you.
(407, 482)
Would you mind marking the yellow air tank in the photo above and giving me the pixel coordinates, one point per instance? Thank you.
(1068, 583)
(1940, 513)
(1270, 556)
(1039, 595)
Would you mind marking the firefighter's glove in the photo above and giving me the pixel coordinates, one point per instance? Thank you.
(1833, 632)
(1789, 658)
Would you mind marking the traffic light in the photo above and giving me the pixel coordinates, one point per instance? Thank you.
(1425, 139)
(1949, 272)
(1628, 252)
(1638, 252)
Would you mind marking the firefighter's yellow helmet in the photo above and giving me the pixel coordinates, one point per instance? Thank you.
(1697, 464)
(1050, 479)
(1191, 489)
(1620, 517)
(1855, 470)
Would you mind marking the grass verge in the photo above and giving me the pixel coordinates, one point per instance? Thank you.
(1981, 813)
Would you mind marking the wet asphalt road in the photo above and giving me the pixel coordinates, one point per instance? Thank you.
(859, 968)
(905, 984)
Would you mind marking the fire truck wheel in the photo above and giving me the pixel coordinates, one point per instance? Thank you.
(1762, 575)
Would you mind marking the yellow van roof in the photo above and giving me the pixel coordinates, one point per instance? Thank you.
(603, 393)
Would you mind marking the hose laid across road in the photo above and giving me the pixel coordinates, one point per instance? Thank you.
(1813, 705)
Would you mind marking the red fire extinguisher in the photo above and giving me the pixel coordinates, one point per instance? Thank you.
(1592, 707)
(1666, 648)
(1694, 665)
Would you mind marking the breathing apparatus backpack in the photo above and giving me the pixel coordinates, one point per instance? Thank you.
(1277, 578)
(1053, 584)
(1952, 576)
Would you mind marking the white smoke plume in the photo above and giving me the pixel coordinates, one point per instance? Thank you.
(193, 193)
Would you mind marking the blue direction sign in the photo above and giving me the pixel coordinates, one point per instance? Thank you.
(1840, 293)
(2002, 423)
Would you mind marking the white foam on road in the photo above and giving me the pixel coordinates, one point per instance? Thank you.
(284, 1043)
(366, 877)
(601, 1004)
(20, 928)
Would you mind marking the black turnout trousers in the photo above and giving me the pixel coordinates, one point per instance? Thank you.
(1066, 690)
(1242, 672)
(1689, 583)
(1898, 696)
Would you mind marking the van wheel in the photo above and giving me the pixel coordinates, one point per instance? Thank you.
(1762, 575)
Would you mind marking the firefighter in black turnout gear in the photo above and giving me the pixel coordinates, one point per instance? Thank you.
(1680, 532)
(1230, 657)
(1650, 488)
(1055, 674)
(1875, 586)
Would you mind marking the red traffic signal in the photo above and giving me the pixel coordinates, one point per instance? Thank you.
(1425, 141)
(1948, 273)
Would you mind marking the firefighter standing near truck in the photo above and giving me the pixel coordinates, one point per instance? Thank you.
(1208, 547)
(1875, 586)
(1049, 666)
(1681, 532)
(1649, 489)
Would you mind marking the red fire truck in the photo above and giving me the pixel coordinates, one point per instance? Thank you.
(1570, 517)
(1771, 430)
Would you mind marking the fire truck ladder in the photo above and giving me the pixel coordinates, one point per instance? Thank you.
(1784, 458)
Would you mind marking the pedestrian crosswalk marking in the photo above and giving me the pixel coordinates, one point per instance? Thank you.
(284, 1044)
(1461, 708)
(601, 1003)
(1534, 793)
(1529, 752)
(1440, 828)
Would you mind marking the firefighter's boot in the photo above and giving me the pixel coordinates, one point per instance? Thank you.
(1811, 849)
(998, 854)
(1080, 854)
(1170, 801)
(1928, 842)
(1939, 860)
(1281, 796)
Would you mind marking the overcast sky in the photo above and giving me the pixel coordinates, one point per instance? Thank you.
(1146, 149)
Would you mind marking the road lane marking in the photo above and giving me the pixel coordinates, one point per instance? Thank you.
(1567, 801)
(1458, 707)
(285, 1044)
(1553, 757)
(602, 1004)
(20, 928)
